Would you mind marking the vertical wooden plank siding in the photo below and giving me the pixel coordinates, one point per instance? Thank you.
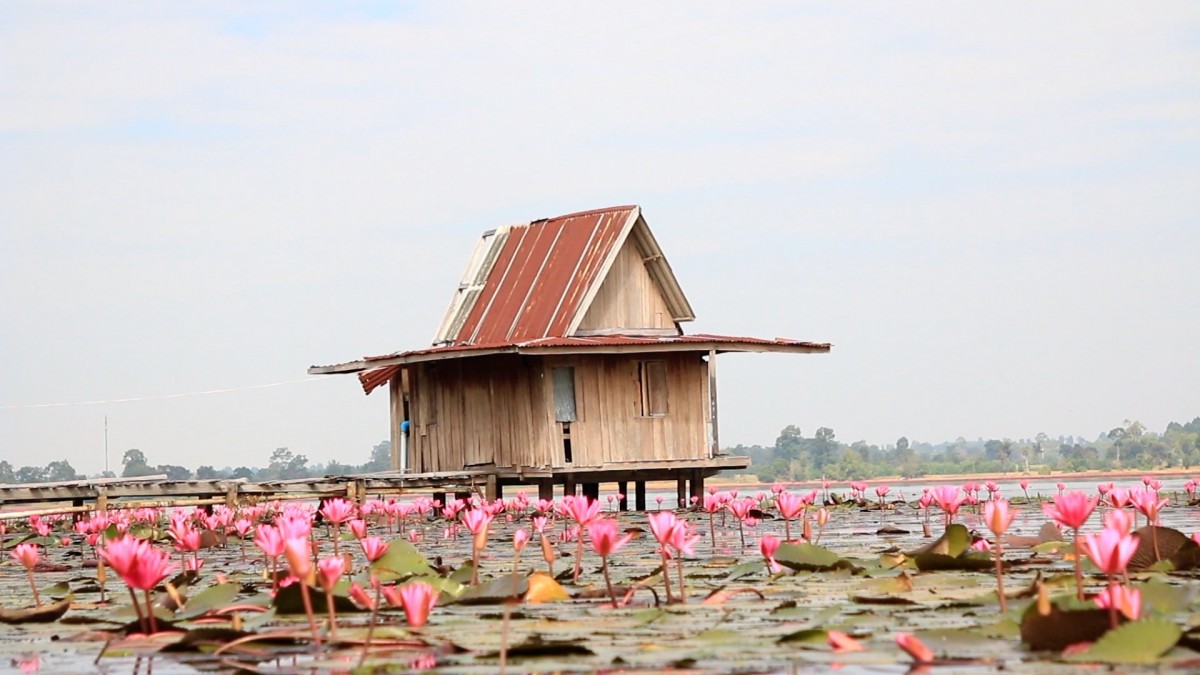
(500, 410)
(396, 400)
(714, 436)
(628, 298)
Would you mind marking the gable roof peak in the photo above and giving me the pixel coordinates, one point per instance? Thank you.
(537, 280)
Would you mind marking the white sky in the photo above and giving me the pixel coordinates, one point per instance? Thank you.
(990, 209)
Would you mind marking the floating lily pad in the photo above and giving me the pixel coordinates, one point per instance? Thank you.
(1157, 544)
(1134, 642)
(44, 614)
(811, 558)
(1068, 622)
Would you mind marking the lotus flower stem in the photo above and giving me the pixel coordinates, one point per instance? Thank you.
(336, 536)
(608, 580)
(474, 564)
(578, 557)
(1112, 605)
(137, 609)
(308, 610)
(666, 572)
(371, 624)
(682, 587)
(37, 600)
(150, 611)
(742, 533)
(1078, 568)
(712, 532)
(332, 613)
(1000, 573)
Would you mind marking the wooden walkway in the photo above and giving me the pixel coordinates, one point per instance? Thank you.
(81, 496)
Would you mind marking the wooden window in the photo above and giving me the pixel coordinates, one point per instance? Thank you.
(564, 393)
(430, 395)
(652, 378)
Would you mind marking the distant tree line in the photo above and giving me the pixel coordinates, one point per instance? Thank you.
(282, 464)
(1128, 446)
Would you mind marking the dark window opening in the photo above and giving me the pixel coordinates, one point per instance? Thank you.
(564, 393)
(566, 431)
(652, 380)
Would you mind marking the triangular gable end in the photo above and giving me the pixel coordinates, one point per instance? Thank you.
(636, 293)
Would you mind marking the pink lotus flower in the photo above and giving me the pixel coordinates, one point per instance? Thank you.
(270, 540)
(138, 562)
(418, 599)
(1119, 520)
(842, 643)
(338, 510)
(330, 570)
(769, 545)
(1119, 498)
(949, 498)
(26, 554)
(520, 538)
(1111, 550)
(298, 552)
(373, 547)
(1071, 509)
(661, 524)
(914, 648)
(998, 515)
(358, 527)
(1148, 503)
(1024, 485)
(583, 510)
(1128, 601)
(604, 537)
(360, 596)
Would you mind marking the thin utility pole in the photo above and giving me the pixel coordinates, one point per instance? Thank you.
(106, 444)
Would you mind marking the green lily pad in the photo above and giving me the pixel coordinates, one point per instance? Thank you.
(1134, 642)
(213, 597)
(401, 560)
(933, 562)
(811, 558)
(955, 541)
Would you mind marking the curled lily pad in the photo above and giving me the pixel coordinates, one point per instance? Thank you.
(43, 614)
(1156, 544)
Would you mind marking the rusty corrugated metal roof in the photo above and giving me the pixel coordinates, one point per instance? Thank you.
(536, 280)
(371, 376)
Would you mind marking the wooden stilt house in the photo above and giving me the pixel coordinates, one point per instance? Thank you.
(561, 361)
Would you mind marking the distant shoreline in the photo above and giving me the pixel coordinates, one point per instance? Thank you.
(935, 479)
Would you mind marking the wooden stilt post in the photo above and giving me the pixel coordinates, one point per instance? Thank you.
(623, 499)
(231, 495)
(591, 490)
(440, 497)
(697, 484)
(639, 495)
(569, 485)
(681, 489)
(101, 499)
(492, 491)
(546, 488)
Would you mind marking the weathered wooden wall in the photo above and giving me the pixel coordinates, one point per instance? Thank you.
(500, 410)
(628, 301)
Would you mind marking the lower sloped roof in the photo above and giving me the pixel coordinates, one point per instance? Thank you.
(376, 370)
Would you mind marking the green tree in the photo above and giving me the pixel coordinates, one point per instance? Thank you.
(134, 461)
(7, 475)
(381, 458)
(206, 472)
(174, 471)
(243, 472)
(60, 470)
(31, 474)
